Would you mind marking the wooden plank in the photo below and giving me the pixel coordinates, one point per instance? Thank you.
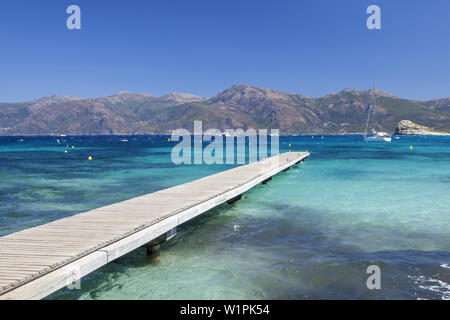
(57, 279)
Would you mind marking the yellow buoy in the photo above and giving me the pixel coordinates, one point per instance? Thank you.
(57, 140)
(312, 137)
(90, 158)
(168, 139)
(410, 147)
(73, 147)
(289, 144)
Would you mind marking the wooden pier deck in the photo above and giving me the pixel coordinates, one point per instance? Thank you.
(38, 261)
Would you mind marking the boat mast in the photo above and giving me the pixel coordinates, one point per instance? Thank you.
(370, 107)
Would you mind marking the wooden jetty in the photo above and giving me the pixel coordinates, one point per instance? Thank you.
(38, 261)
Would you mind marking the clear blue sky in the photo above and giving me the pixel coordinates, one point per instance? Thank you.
(204, 46)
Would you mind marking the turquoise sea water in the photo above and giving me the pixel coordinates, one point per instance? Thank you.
(310, 233)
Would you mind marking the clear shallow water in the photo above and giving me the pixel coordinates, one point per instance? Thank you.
(310, 233)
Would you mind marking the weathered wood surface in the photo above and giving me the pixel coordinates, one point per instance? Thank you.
(38, 261)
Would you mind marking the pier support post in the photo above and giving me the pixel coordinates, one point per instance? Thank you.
(153, 247)
(267, 180)
(153, 251)
(233, 200)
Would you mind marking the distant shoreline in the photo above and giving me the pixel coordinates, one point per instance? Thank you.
(168, 134)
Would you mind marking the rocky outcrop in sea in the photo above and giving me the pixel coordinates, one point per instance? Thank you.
(406, 127)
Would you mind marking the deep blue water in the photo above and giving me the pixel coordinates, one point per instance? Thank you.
(308, 234)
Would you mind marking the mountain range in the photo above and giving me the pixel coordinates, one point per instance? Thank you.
(241, 106)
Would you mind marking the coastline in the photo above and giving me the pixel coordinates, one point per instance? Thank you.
(168, 134)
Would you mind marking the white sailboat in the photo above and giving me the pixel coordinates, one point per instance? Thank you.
(375, 136)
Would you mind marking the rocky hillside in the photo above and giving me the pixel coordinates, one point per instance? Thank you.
(240, 106)
(406, 127)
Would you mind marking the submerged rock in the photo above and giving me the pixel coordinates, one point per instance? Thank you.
(406, 127)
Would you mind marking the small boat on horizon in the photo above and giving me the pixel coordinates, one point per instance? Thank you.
(378, 137)
(375, 136)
